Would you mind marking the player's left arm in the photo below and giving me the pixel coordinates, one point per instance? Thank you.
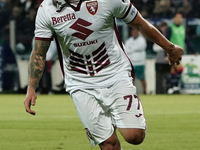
(35, 70)
(151, 33)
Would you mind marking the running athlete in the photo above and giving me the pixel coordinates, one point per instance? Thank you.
(98, 74)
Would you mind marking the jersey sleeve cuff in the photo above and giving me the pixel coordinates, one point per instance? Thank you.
(133, 18)
(130, 14)
(43, 39)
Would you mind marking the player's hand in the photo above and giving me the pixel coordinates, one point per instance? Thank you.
(174, 54)
(30, 100)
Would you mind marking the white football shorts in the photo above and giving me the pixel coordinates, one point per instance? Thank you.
(102, 109)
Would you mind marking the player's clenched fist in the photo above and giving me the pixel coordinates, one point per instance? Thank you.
(174, 54)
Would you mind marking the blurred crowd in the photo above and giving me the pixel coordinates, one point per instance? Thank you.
(167, 8)
(14, 60)
(23, 12)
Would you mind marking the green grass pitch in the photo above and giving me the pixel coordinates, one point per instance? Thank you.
(173, 124)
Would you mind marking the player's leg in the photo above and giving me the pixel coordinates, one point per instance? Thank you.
(128, 112)
(133, 135)
(112, 143)
(96, 120)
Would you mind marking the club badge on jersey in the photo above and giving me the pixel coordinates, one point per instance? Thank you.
(92, 7)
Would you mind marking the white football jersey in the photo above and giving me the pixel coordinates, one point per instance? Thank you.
(92, 54)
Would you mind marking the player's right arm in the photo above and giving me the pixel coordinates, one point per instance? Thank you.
(174, 52)
(35, 71)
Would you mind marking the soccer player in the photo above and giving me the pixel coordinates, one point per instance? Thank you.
(98, 75)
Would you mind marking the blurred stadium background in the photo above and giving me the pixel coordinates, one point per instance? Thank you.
(17, 31)
(173, 120)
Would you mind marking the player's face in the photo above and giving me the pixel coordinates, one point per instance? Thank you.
(178, 19)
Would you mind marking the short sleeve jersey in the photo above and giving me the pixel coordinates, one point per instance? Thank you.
(92, 52)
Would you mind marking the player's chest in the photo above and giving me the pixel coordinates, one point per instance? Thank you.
(89, 18)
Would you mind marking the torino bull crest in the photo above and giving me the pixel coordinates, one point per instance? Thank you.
(92, 7)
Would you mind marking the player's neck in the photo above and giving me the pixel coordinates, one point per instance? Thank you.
(73, 2)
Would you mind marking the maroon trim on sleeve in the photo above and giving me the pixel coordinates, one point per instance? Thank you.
(127, 11)
(133, 18)
(43, 39)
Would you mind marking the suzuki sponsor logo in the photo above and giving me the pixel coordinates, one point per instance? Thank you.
(85, 43)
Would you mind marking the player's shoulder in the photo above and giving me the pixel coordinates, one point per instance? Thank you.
(44, 6)
(46, 3)
(49, 5)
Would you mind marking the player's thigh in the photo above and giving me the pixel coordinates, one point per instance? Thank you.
(111, 143)
(133, 135)
(128, 113)
(96, 121)
(127, 109)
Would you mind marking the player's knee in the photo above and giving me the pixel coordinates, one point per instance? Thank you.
(135, 138)
(112, 144)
